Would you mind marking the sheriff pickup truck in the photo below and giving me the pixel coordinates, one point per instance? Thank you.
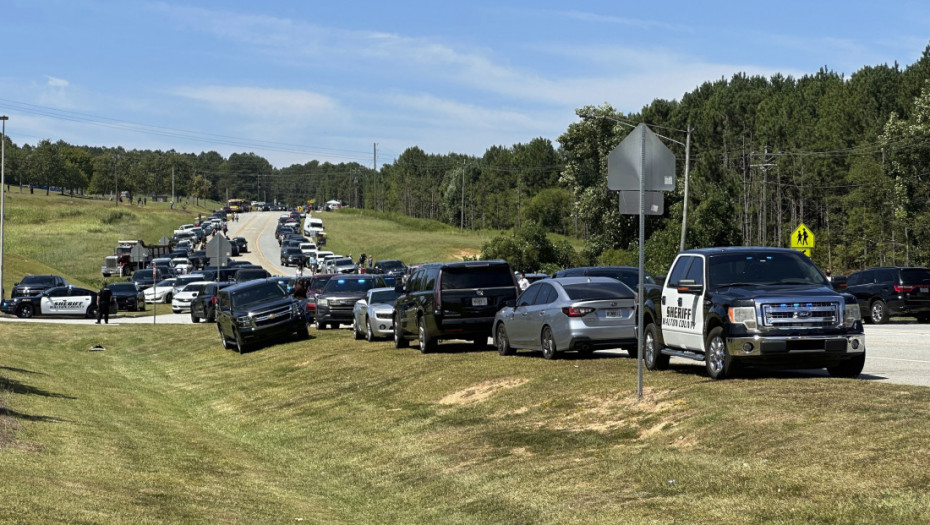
(745, 306)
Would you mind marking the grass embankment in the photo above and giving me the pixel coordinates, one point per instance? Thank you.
(165, 426)
(72, 236)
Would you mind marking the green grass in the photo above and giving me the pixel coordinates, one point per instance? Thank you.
(71, 236)
(165, 426)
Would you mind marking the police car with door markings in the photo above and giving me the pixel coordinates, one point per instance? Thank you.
(61, 300)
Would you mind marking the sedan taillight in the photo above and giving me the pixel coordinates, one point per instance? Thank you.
(577, 311)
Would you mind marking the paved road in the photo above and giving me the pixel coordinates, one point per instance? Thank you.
(898, 352)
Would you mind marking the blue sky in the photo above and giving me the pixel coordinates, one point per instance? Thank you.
(295, 80)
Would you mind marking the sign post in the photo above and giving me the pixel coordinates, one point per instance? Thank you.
(641, 167)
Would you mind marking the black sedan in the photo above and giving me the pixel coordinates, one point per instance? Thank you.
(242, 243)
(128, 297)
(61, 300)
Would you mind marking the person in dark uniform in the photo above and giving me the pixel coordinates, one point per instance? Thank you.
(104, 296)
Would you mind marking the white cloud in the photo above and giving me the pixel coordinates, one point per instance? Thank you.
(257, 102)
(57, 82)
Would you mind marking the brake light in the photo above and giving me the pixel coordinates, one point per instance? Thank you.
(577, 311)
(213, 300)
(904, 288)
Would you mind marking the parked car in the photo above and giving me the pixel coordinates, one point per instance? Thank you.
(391, 267)
(185, 296)
(373, 316)
(886, 292)
(146, 278)
(628, 275)
(336, 300)
(442, 301)
(250, 274)
(292, 256)
(61, 300)
(580, 314)
(36, 284)
(204, 305)
(128, 297)
(257, 311)
(165, 290)
(314, 286)
(344, 265)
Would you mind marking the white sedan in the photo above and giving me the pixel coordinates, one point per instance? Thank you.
(183, 299)
(162, 292)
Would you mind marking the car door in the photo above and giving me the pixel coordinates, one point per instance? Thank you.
(682, 311)
(54, 301)
(79, 300)
(518, 320)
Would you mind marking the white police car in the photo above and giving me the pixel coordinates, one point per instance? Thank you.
(61, 300)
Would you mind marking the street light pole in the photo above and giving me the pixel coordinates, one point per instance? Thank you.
(3, 119)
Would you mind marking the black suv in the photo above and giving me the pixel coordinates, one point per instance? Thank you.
(452, 301)
(336, 301)
(36, 284)
(204, 305)
(888, 292)
(257, 310)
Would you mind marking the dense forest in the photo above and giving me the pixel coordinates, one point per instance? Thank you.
(848, 157)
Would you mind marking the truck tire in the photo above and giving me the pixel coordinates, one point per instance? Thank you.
(653, 357)
(717, 359)
(399, 340)
(427, 343)
(849, 369)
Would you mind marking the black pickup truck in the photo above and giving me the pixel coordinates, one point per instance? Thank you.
(753, 306)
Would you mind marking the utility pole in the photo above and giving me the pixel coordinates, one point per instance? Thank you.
(463, 194)
(684, 215)
(374, 167)
(765, 165)
(172, 183)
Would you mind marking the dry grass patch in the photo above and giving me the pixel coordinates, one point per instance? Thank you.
(481, 391)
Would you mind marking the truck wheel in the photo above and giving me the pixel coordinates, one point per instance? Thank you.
(319, 325)
(502, 342)
(717, 360)
(850, 368)
(879, 312)
(653, 357)
(427, 344)
(241, 345)
(549, 351)
(399, 340)
(194, 318)
(223, 339)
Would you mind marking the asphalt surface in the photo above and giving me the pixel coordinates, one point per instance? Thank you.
(897, 352)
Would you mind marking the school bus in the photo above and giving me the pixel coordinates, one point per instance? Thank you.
(236, 205)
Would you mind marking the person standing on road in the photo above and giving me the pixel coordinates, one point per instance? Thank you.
(104, 296)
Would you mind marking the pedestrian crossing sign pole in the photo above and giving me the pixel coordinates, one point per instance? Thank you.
(803, 240)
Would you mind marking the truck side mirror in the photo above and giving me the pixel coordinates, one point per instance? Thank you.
(690, 287)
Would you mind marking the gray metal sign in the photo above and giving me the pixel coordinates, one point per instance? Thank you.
(138, 254)
(218, 250)
(654, 205)
(641, 152)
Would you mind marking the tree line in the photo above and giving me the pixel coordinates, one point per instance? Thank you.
(847, 156)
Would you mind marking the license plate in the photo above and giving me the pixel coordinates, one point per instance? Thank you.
(612, 314)
(479, 301)
(924, 290)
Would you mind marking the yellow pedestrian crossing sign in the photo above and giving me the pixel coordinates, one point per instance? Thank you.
(802, 239)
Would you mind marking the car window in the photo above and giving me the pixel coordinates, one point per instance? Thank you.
(915, 275)
(763, 268)
(678, 272)
(527, 297)
(58, 292)
(546, 295)
(257, 294)
(384, 296)
(887, 276)
(598, 291)
(695, 271)
(459, 278)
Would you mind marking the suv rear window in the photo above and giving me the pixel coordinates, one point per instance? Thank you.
(476, 277)
(915, 275)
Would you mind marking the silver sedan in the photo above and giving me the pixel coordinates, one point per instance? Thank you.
(580, 314)
(373, 316)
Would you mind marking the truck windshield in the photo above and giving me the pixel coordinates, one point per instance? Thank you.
(763, 268)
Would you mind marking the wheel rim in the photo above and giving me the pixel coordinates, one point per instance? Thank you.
(503, 345)
(717, 355)
(548, 345)
(369, 334)
(649, 349)
(26, 310)
(240, 344)
(878, 311)
(421, 330)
